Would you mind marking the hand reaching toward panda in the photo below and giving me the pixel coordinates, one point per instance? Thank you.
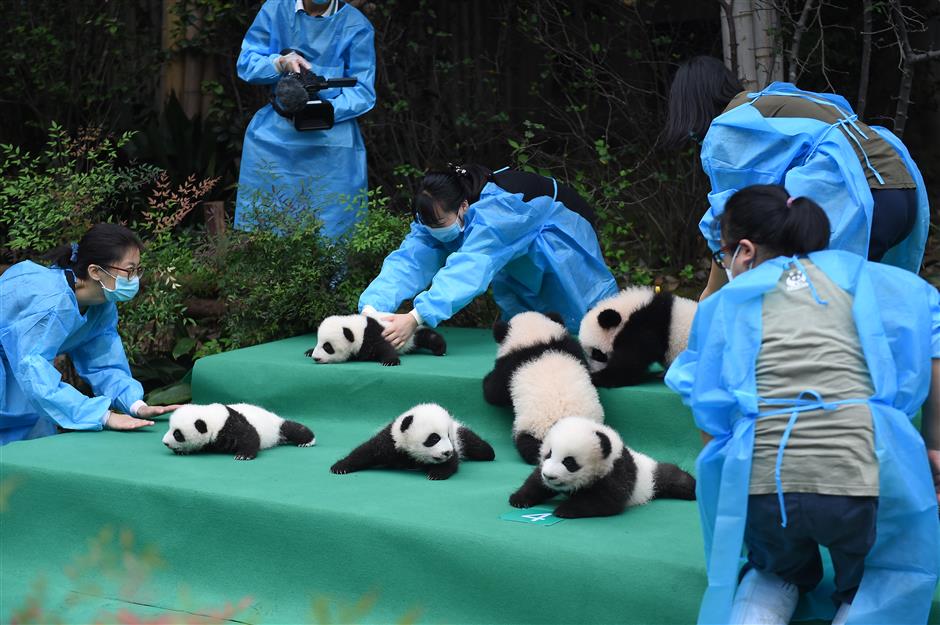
(120, 421)
(399, 329)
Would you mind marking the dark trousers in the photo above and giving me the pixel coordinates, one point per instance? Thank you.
(893, 216)
(846, 525)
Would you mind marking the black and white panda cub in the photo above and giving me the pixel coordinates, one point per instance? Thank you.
(624, 334)
(359, 337)
(589, 463)
(240, 429)
(540, 372)
(426, 438)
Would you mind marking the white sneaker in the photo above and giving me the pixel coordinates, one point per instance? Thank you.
(763, 599)
(842, 615)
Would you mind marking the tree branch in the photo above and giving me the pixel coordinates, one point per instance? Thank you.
(924, 56)
(866, 59)
(907, 71)
(797, 37)
(727, 6)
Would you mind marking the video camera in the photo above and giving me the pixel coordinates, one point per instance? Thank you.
(296, 97)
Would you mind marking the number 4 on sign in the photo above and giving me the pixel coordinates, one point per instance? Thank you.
(533, 516)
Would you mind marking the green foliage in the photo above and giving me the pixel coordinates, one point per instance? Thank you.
(59, 193)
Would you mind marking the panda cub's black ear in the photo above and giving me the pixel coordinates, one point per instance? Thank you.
(609, 318)
(349, 335)
(605, 443)
(200, 426)
(557, 318)
(500, 330)
(406, 422)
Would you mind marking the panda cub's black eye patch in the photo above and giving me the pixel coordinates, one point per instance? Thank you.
(432, 440)
(178, 436)
(328, 348)
(598, 355)
(571, 464)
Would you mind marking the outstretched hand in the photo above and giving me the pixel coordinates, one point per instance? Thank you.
(121, 421)
(146, 412)
(399, 329)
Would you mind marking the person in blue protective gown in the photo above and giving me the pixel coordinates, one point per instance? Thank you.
(804, 373)
(69, 308)
(529, 237)
(317, 170)
(812, 143)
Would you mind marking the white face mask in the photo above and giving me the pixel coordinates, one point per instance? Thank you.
(731, 264)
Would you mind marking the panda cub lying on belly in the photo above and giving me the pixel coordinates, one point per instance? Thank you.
(359, 337)
(588, 462)
(426, 438)
(624, 334)
(240, 429)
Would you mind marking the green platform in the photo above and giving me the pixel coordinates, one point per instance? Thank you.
(285, 532)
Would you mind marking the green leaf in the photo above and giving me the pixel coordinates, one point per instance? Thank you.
(176, 393)
(184, 346)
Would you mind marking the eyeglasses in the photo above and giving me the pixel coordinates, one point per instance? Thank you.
(130, 271)
(719, 256)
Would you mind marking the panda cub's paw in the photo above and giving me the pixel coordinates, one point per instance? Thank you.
(309, 352)
(391, 363)
(246, 456)
(519, 500)
(310, 444)
(340, 468)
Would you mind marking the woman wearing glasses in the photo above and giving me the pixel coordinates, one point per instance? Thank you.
(805, 372)
(70, 308)
(530, 238)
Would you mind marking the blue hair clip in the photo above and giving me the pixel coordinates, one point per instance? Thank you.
(74, 255)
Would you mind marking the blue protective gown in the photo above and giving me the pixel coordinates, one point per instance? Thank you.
(897, 316)
(538, 255)
(39, 319)
(812, 159)
(321, 170)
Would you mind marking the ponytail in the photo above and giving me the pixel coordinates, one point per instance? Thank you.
(446, 189)
(102, 245)
(768, 216)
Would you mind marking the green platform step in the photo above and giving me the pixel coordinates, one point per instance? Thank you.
(284, 532)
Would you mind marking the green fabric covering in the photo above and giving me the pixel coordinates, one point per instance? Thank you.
(284, 531)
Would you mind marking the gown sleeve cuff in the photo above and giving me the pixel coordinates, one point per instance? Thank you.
(137, 405)
(417, 316)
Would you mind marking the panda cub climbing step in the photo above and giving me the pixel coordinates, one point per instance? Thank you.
(601, 476)
(426, 438)
(359, 337)
(240, 429)
(540, 372)
(624, 334)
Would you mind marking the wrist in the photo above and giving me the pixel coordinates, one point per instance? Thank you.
(136, 406)
(105, 419)
(416, 316)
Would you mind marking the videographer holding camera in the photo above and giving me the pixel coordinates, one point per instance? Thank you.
(304, 150)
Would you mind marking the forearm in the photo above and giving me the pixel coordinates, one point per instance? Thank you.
(716, 279)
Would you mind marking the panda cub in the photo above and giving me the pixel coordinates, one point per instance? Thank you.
(624, 334)
(426, 438)
(241, 429)
(359, 337)
(588, 462)
(540, 372)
